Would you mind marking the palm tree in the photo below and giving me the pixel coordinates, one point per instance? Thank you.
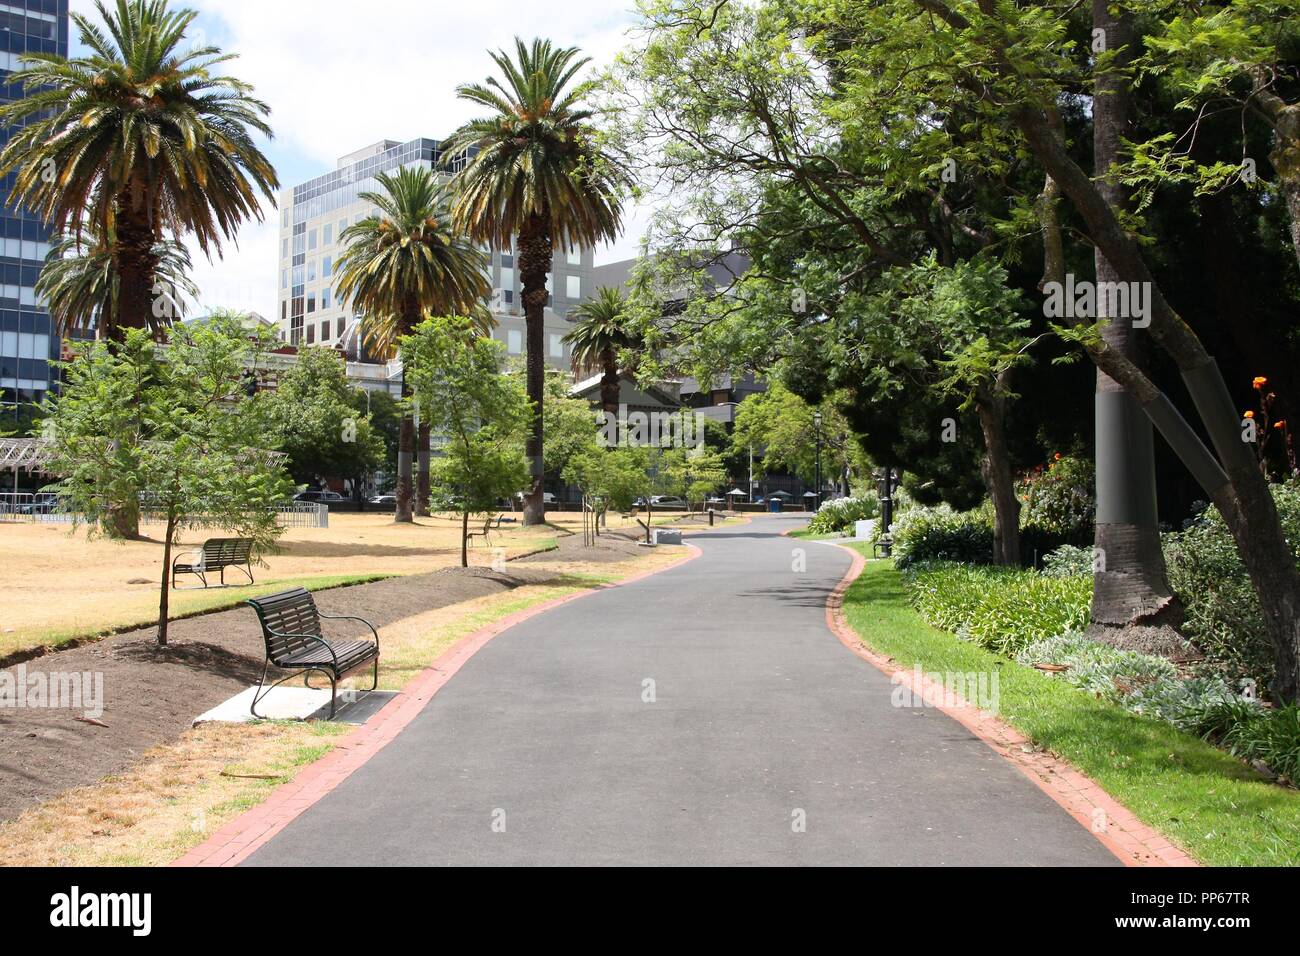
(80, 286)
(535, 173)
(600, 334)
(400, 265)
(139, 137)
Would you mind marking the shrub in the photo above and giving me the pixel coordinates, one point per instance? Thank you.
(839, 514)
(1255, 733)
(1067, 561)
(1002, 609)
(1059, 500)
(1223, 614)
(940, 534)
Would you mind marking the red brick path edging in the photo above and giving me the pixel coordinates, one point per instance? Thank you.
(1118, 830)
(239, 838)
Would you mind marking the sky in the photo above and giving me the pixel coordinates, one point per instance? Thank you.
(341, 74)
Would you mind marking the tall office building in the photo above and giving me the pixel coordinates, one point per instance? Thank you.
(313, 216)
(27, 338)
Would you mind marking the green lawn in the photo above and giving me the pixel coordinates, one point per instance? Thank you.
(1212, 804)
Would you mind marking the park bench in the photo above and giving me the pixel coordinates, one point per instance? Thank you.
(291, 627)
(490, 524)
(217, 554)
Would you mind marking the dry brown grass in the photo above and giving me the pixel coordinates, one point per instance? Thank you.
(179, 793)
(60, 584)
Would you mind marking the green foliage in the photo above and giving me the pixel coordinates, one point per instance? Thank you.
(1001, 609)
(1223, 615)
(1059, 499)
(142, 111)
(618, 476)
(407, 260)
(941, 534)
(1068, 561)
(171, 426)
(571, 427)
(840, 514)
(314, 419)
(781, 428)
(480, 412)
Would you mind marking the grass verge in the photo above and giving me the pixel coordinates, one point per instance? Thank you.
(27, 643)
(1216, 807)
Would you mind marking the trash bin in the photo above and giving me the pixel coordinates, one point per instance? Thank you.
(774, 505)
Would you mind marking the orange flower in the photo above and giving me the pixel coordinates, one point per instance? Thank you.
(1260, 381)
(1248, 415)
(1280, 423)
(1057, 456)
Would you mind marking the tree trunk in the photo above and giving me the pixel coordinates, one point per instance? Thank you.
(123, 519)
(610, 390)
(422, 493)
(136, 264)
(1130, 587)
(165, 595)
(464, 539)
(403, 511)
(995, 466)
(535, 253)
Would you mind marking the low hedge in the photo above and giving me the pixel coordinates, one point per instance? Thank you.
(1002, 609)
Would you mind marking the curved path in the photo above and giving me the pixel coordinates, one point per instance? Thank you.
(543, 748)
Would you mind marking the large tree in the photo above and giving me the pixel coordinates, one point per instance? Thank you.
(535, 175)
(406, 262)
(139, 138)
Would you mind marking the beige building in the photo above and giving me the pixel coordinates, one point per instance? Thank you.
(314, 214)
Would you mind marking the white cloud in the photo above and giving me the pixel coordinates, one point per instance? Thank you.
(339, 75)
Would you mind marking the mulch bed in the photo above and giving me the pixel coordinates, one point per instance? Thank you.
(152, 693)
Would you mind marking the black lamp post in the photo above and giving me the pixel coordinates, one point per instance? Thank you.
(817, 424)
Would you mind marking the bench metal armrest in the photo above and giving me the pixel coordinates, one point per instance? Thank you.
(180, 554)
(307, 637)
(351, 617)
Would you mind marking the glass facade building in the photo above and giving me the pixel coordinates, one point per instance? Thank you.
(313, 216)
(27, 339)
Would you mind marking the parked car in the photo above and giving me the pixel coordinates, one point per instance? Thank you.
(547, 497)
(383, 500)
(327, 497)
(667, 501)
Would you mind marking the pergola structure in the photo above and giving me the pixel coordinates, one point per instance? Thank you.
(24, 454)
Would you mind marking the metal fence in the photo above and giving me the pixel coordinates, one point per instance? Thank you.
(46, 508)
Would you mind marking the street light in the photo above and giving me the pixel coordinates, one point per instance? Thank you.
(817, 424)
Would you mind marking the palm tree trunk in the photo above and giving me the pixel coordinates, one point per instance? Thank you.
(423, 486)
(535, 252)
(1130, 587)
(610, 390)
(136, 263)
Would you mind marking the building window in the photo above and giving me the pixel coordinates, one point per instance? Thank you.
(514, 341)
(311, 240)
(311, 334)
(343, 224)
(327, 267)
(326, 235)
(311, 270)
(284, 219)
(284, 248)
(284, 278)
(311, 301)
(338, 324)
(573, 287)
(508, 295)
(557, 345)
(324, 330)
(507, 278)
(573, 257)
(324, 299)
